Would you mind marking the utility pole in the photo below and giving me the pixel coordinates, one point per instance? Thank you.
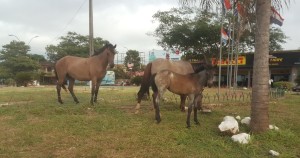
(91, 28)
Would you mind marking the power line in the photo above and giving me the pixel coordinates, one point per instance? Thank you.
(69, 22)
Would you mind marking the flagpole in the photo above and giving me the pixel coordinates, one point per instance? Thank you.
(232, 50)
(220, 55)
(228, 54)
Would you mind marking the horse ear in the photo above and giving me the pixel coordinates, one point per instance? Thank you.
(115, 46)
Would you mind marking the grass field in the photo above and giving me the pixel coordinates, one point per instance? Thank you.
(33, 124)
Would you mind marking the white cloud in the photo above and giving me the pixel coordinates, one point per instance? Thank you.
(122, 22)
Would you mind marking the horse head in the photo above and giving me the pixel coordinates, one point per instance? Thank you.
(210, 71)
(111, 54)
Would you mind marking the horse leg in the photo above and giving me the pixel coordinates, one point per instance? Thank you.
(190, 109)
(97, 90)
(58, 88)
(93, 91)
(182, 102)
(200, 100)
(156, 106)
(196, 106)
(59, 84)
(70, 88)
(140, 95)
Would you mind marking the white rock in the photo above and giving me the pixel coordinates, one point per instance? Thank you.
(274, 153)
(246, 120)
(238, 117)
(242, 138)
(206, 110)
(229, 124)
(273, 127)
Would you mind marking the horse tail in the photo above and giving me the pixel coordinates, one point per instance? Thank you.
(56, 76)
(144, 86)
(145, 82)
(153, 85)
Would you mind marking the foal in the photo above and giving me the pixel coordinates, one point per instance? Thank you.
(190, 85)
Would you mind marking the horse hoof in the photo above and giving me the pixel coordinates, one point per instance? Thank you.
(197, 123)
(158, 121)
(188, 127)
(60, 102)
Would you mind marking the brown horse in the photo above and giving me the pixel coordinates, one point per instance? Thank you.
(180, 67)
(190, 85)
(84, 69)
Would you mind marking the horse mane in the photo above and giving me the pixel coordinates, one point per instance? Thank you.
(99, 51)
(201, 66)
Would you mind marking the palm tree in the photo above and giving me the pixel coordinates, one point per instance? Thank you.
(261, 75)
(260, 88)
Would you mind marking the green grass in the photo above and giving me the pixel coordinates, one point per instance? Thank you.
(33, 124)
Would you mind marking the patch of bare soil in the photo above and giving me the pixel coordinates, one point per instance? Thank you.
(15, 103)
(131, 108)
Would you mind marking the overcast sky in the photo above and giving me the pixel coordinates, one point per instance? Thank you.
(122, 22)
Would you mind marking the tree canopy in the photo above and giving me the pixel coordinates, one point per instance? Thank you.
(14, 59)
(132, 57)
(197, 32)
(188, 30)
(72, 44)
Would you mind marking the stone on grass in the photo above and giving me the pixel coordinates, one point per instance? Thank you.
(274, 153)
(229, 125)
(242, 138)
(246, 120)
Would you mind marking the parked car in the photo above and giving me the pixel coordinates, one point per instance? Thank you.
(296, 89)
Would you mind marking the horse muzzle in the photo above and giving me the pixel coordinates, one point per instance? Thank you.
(111, 65)
(209, 85)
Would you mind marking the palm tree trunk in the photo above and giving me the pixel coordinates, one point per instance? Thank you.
(260, 90)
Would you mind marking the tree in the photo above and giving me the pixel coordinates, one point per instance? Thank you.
(277, 37)
(196, 32)
(261, 75)
(260, 90)
(189, 30)
(297, 80)
(120, 73)
(37, 57)
(72, 44)
(14, 58)
(132, 57)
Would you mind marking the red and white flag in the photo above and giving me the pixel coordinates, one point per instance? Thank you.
(224, 36)
(276, 18)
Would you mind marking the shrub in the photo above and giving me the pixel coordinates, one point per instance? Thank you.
(137, 80)
(24, 78)
(297, 80)
(283, 84)
(10, 82)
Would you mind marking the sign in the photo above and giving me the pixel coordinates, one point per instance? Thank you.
(109, 78)
(130, 65)
(275, 61)
(241, 61)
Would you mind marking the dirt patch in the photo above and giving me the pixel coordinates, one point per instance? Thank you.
(131, 108)
(15, 103)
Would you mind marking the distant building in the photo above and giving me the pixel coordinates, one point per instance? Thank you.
(48, 75)
(284, 66)
(154, 54)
